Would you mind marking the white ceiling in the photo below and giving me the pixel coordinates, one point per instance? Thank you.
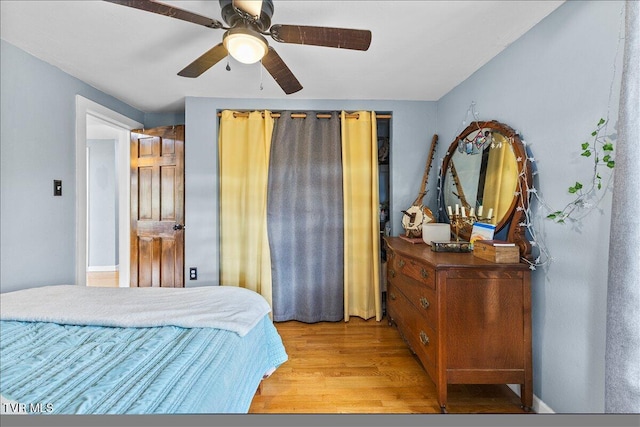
(420, 50)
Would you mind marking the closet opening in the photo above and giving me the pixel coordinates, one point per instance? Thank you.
(312, 189)
(383, 126)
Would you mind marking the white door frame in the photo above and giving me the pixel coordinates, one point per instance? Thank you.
(86, 107)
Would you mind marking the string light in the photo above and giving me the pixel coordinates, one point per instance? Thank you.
(543, 257)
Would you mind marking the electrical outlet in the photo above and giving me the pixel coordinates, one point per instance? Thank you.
(193, 273)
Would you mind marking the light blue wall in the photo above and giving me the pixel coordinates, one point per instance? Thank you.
(37, 136)
(553, 86)
(412, 127)
(152, 120)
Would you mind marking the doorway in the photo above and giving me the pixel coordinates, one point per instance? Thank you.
(103, 263)
(97, 123)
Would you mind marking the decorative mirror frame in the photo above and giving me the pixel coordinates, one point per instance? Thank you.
(515, 215)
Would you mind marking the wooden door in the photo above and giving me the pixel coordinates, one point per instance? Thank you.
(157, 207)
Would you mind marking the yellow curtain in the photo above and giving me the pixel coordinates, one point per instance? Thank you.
(362, 296)
(501, 180)
(244, 145)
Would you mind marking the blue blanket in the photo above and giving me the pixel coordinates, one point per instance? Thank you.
(71, 369)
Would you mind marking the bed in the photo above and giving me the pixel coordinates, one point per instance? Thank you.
(79, 350)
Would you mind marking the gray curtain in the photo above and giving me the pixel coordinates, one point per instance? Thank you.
(622, 360)
(305, 219)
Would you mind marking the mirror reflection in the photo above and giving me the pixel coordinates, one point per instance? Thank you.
(482, 174)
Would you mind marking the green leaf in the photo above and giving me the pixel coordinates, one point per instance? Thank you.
(611, 164)
(578, 185)
(586, 153)
(599, 185)
(598, 176)
(594, 133)
(572, 190)
(607, 147)
(606, 158)
(601, 122)
(551, 216)
(585, 145)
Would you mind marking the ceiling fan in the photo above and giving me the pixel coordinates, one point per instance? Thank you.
(248, 21)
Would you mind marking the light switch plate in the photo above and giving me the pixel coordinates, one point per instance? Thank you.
(57, 187)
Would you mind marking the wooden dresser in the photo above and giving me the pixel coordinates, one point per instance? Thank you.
(468, 320)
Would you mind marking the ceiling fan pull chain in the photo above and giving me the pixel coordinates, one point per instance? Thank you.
(261, 75)
(228, 67)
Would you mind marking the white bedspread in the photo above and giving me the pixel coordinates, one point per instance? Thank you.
(222, 307)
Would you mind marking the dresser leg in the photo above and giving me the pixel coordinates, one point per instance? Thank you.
(443, 409)
(526, 396)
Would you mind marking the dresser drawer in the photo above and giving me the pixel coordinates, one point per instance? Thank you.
(394, 305)
(422, 297)
(419, 335)
(415, 270)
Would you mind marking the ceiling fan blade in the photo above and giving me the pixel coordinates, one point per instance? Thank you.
(205, 61)
(343, 38)
(166, 10)
(280, 72)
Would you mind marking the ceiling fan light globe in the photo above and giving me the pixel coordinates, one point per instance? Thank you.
(245, 48)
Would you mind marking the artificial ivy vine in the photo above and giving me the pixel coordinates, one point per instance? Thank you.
(600, 145)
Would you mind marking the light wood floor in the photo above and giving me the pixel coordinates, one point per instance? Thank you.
(103, 279)
(363, 367)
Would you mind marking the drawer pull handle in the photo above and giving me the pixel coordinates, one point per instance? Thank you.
(392, 296)
(424, 273)
(424, 339)
(401, 263)
(392, 273)
(424, 303)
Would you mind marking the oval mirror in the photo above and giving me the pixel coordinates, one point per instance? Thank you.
(482, 173)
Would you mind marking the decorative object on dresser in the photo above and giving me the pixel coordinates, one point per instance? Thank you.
(496, 251)
(451, 246)
(419, 214)
(468, 320)
(435, 232)
(482, 231)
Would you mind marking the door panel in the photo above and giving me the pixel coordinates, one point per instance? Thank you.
(144, 197)
(167, 193)
(157, 206)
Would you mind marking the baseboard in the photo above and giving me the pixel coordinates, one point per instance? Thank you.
(97, 268)
(539, 407)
